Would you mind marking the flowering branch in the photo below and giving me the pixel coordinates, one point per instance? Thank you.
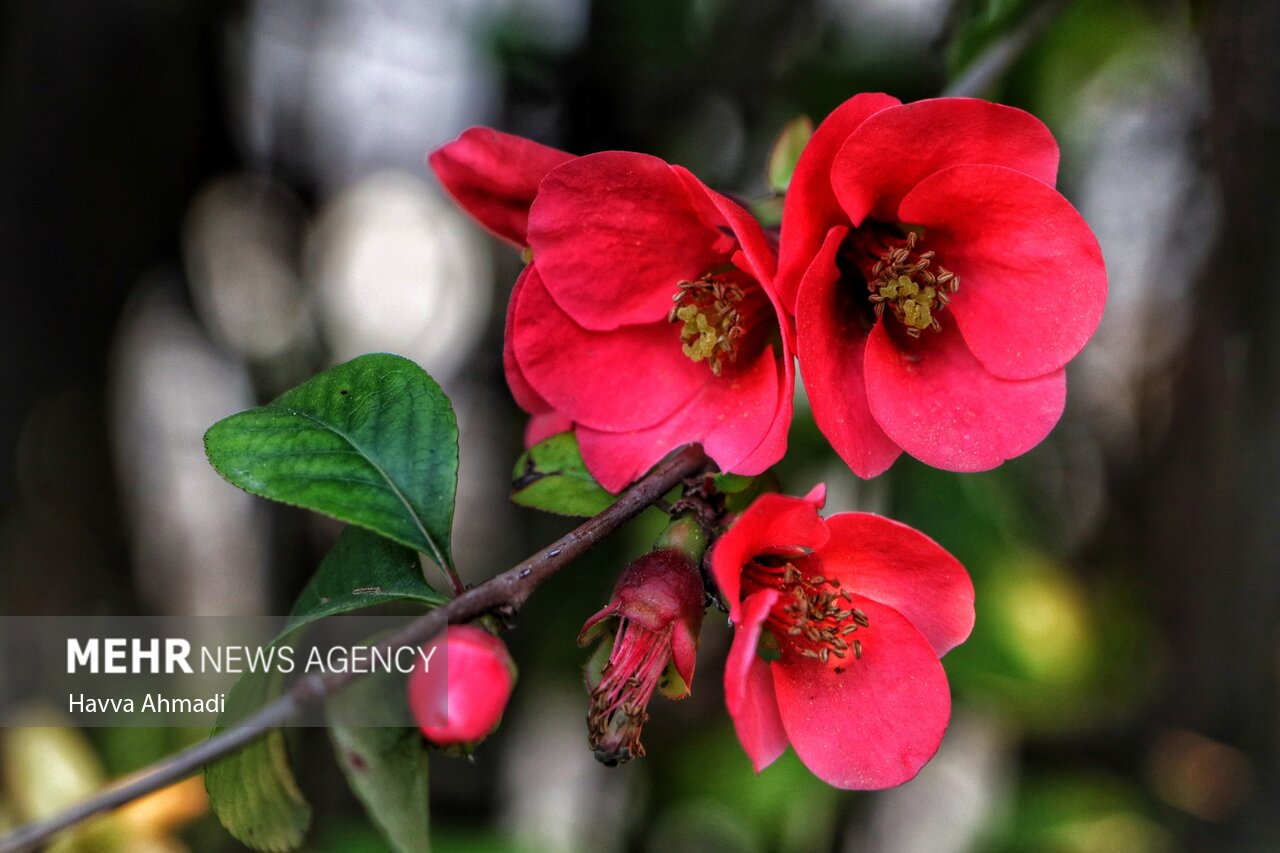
(503, 595)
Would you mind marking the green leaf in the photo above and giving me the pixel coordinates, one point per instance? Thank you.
(551, 476)
(740, 491)
(372, 442)
(254, 792)
(786, 152)
(385, 766)
(361, 570)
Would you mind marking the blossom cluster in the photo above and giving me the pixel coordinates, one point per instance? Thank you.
(928, 278)
(928, 283)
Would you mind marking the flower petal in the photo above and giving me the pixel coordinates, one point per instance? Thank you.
(737, 413)
(773, 523)
(543, 425)
(684, 656)
(1032, 280)
(738, 418)
(899, 566)
(941, 405)
(892, 151)
(811, 209)
(544, 421)
(718, 211)
(748, 687)
(525, 395)
(629, 378)
(494, 177)
(830, 341)
(614, 233)
(868, 723)
(773, 446)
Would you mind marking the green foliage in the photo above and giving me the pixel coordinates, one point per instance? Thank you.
(981, 23)
(786, 152)
(740, 491)
(1079, 812)
(386, 766)
(551, 476)
(254, 792)
(372, 442)
(712, 796)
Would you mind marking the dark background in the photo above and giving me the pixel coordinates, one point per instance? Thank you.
(203, 203)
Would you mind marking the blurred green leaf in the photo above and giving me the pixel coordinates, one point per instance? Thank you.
(49, 768)
(551, 476)
(373, 442)
(785, 807)
(254, 792)
(981, 23)
(741, 491)
(786, 152)
(386, 766)
(1080, 813)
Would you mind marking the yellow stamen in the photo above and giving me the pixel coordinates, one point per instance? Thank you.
(712, 322)
(903, 280)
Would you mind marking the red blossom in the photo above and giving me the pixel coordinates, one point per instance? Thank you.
(938, 281)
(646, 318)
(853, 612)
(459, 697)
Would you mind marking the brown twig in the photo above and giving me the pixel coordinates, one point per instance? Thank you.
(503, 594)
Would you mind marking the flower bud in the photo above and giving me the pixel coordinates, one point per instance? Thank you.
(650, 630)
(459, 697)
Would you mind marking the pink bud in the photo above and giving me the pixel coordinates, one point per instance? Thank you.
(458, 697)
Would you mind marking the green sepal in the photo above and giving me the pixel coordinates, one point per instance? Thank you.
(671, 684)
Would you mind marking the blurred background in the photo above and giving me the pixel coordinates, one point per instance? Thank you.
(203, 203)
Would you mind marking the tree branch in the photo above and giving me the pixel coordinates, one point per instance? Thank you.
(504, 593)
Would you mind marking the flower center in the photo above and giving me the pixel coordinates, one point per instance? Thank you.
(618, 702)
(813, 615)
(715, 312)
(911, 283)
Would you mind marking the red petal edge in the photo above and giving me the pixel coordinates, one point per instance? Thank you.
(892, 151)
(898, 565)
(878, 720)
(748, 687)
(830, 345)
(494, 176)
(941, 405)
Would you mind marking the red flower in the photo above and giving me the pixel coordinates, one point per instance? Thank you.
(854, 612)
(459, 697)
(653, 644)
(938, 280)
(646, 318)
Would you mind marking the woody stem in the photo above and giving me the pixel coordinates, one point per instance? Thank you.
(503, 594)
